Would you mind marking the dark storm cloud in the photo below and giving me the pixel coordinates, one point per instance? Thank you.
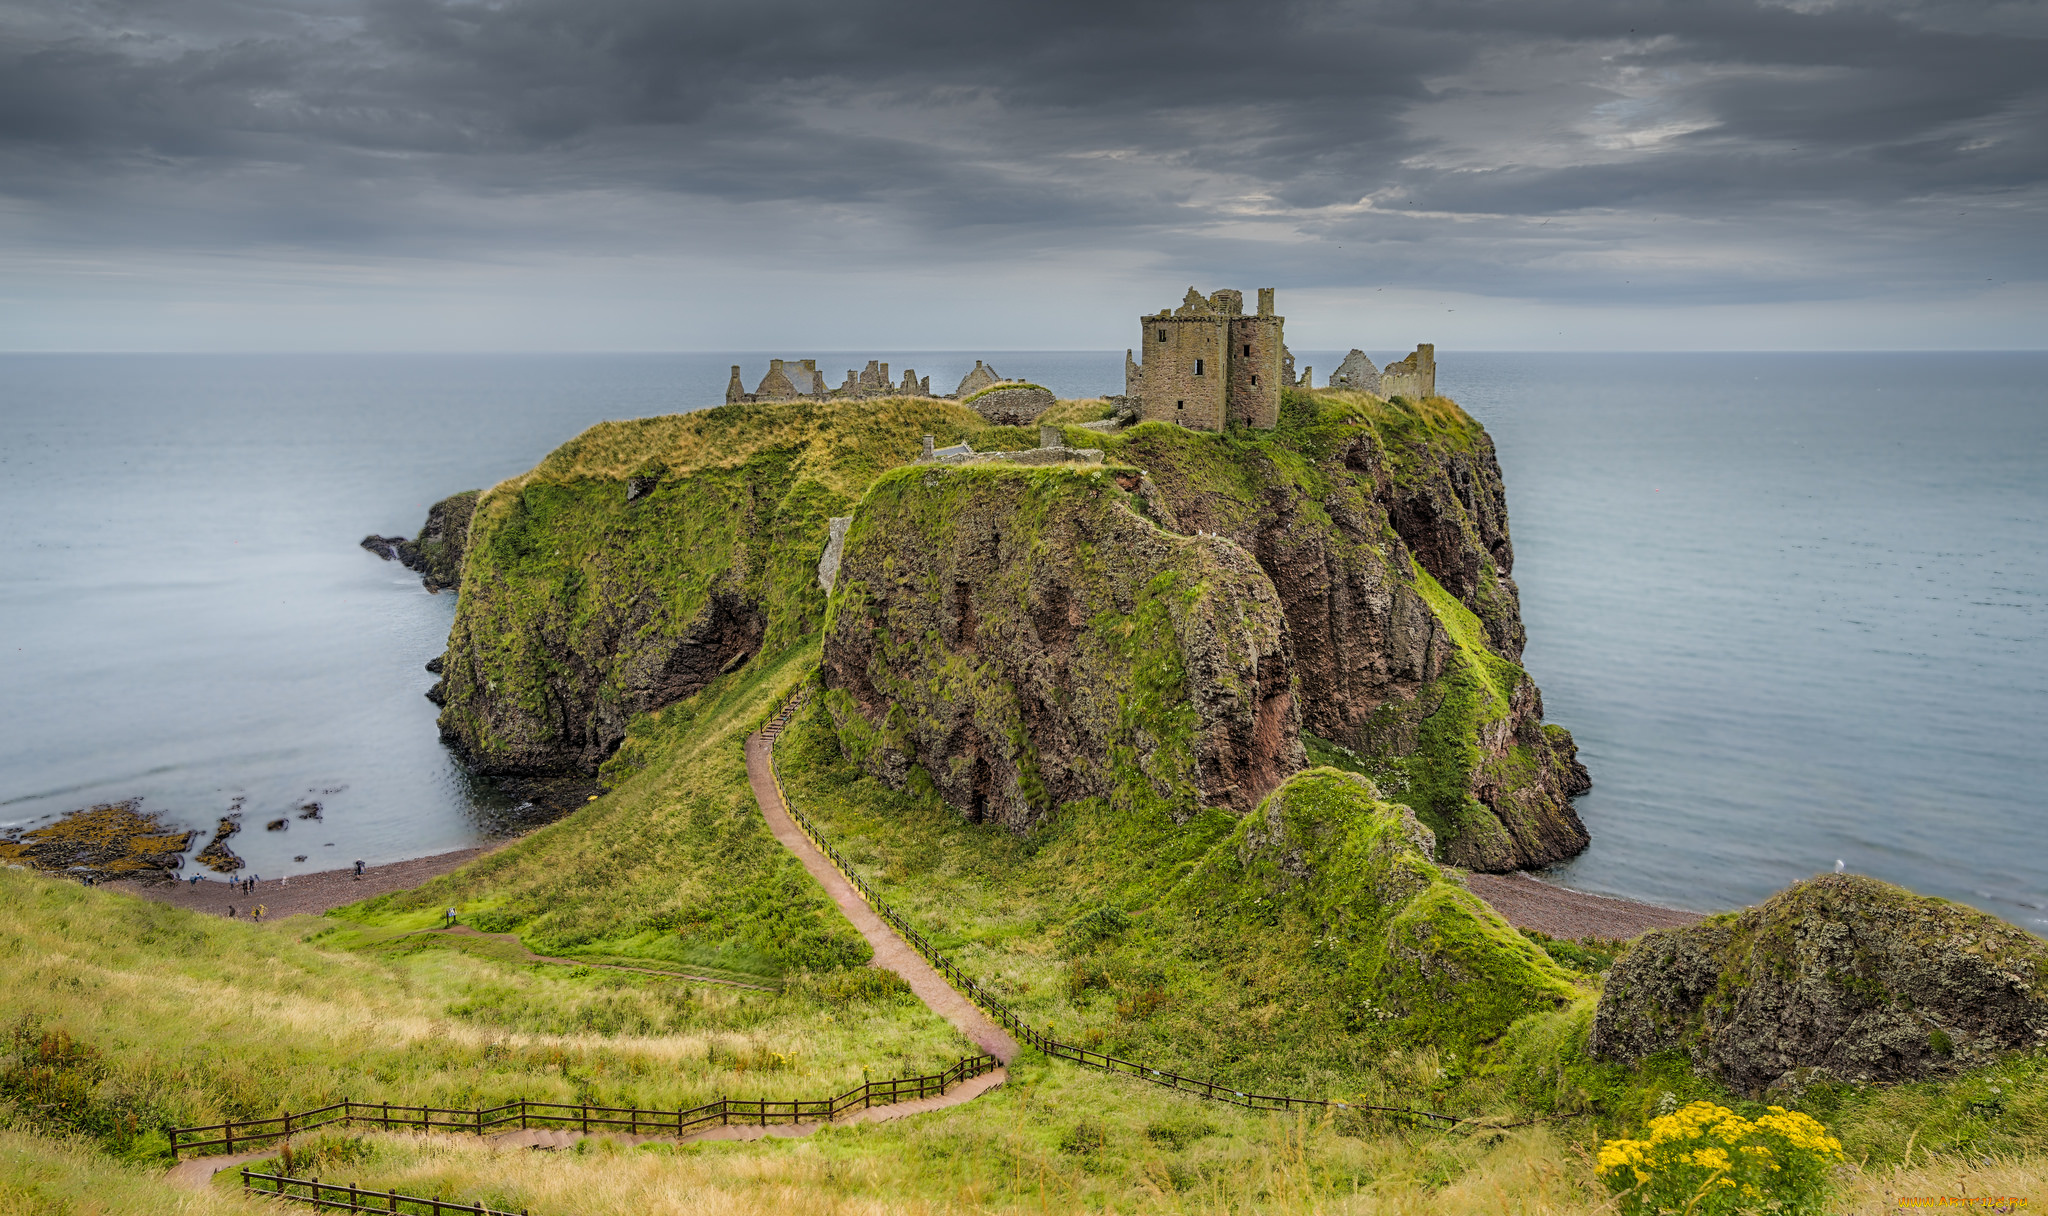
(1426, 139)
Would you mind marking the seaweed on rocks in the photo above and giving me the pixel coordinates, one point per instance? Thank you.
(102, 843)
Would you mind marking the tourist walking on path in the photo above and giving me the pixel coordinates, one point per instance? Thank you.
(451, 919)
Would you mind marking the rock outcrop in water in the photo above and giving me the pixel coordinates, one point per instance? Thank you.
(436, 553)
(1026, 638)
(1839, 977)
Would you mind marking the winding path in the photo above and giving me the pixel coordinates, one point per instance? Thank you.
(891, 951)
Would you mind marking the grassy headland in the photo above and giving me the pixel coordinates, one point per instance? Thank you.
(1312, 947)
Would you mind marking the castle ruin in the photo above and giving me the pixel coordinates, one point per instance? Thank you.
(800, 380)
(1207, 365)
(1413, 378)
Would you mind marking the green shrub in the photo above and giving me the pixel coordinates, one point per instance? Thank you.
(1100, 925)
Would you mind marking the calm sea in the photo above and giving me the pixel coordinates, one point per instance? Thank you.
(1792, 606)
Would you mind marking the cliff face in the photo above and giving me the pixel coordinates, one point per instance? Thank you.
(1384, 531)
(1025, 638)
(1840, 977)
(642, 559)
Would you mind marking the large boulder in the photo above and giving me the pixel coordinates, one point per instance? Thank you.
(1027, 637)
(1839, 976)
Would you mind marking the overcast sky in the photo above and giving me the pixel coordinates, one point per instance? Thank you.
(837, 174)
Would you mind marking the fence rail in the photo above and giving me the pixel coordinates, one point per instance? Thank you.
(527, 1114)
(352, 1198)
(975, 991)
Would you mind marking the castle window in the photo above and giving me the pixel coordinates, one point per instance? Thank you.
(1255, 382)
(1180, 405)
(1247, 348)
(1162, 335)
(1198, 367)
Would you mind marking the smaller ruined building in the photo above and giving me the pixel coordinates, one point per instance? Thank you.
(973, 382)
(800, 380)
(1413, 377)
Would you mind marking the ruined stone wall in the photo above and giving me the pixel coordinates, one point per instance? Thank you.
(1255, 370)
(1187, 371)
(1413, 377)
(1357, 373)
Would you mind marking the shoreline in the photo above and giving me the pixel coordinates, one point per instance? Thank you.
(1527, 902)
(302, 894)
(1524, 901)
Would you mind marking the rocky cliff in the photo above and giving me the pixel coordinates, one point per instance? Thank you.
(1346, 575)
(1023, 638)
(1839, 977)
(1384, 530)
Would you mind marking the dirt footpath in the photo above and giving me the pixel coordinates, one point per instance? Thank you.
(891, 951)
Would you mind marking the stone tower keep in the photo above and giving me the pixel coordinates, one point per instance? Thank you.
(1207, 365)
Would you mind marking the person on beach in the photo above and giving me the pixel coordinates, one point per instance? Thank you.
(359, 870)
(231, 911)
(259, 914)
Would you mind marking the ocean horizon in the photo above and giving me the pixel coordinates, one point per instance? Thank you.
(1789, 603)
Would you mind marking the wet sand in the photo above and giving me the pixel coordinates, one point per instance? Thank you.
(1529, 903)
(301, 894)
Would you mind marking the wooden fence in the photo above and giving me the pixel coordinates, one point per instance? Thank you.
(565, 1115)
(974, 991)
(352, 1198)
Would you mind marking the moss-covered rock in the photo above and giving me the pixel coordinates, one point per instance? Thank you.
(1025, 638)
(1410, 955)
(1840, 976)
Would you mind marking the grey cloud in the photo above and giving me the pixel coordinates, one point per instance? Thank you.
(949, 128)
